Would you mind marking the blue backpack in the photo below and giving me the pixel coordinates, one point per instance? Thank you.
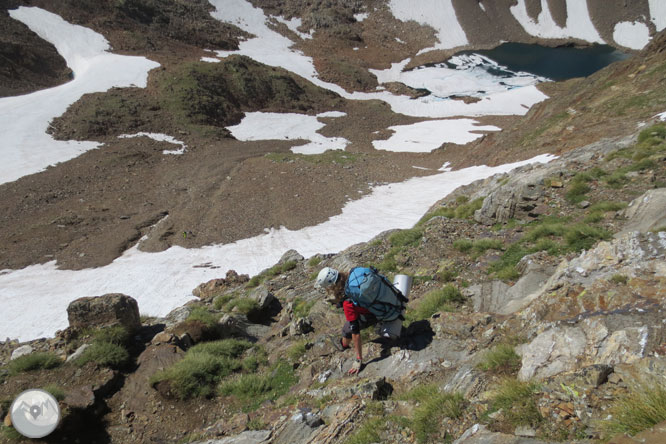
(368, 289)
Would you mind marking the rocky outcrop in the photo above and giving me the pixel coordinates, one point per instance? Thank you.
(502, 204)
(498, 297)
(593, 341)
(214, 287)
(103, 311)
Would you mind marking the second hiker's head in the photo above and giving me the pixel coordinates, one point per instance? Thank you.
(333, 281)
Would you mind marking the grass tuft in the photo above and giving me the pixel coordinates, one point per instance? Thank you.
(434, 301)
(55, 390)
(501, 359)
(406, 238)
(254, 389)
(204, 316)
(203, 366)
(434, 405)
(637, 411)
(32, 362)
(517, 401)
(105, 354)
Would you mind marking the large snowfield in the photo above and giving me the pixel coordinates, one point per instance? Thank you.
(34, 299)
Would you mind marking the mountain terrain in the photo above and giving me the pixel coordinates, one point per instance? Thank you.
(537, 309)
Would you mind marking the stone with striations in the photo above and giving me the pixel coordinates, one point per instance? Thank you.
(103, 311)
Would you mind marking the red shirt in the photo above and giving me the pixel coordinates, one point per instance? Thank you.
(352, 311)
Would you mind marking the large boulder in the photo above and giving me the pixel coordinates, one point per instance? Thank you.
(103, 311)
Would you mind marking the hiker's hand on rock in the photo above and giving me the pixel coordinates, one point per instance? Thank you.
(356, 367)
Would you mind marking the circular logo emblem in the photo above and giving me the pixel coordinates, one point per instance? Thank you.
(35, 413)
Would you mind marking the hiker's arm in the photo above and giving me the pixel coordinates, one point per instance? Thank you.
(356, 340)
(358, 365)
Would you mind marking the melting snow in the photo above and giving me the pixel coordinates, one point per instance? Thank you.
(440, 14)
(658, 13)
(25, 146)
(293, 25)
(160, 138)
(360, 17)
(287, 126)
(426, 136)
(634, 35)
(579, 25)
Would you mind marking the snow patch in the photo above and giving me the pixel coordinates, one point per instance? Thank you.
(210, 59)
(662, 116)
(439, 14)
(160, 138)
(658, 13)
(361, 16)
(332, 114)
(634, 35)
(579, 25)
(35, 299)
(25, 147)
(287, 126)
(423, 137)
(293, 25)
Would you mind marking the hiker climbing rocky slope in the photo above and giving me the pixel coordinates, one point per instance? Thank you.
(537, 310)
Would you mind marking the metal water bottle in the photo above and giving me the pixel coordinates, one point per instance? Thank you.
(403, 283)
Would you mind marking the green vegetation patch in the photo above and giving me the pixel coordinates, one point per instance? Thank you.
(32, 362)
(478, 246)
(254, 389)
(518, 402)
(202, 368)
(217, 94)
(275, 270)
(301, 307)
(55, 390)
(639, 410)
(203, 315)
(501, 358)
(406, 238)
(105, 354)
(433, 406)
(643, 155)
(461, 210)
(297, 350)
(555, 237)
(435, 301)
(368, 432)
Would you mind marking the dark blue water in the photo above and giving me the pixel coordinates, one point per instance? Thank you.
(554, 63)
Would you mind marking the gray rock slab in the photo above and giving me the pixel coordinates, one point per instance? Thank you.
(23, 350)
(249, 437)
(646, 212)
(479, 434)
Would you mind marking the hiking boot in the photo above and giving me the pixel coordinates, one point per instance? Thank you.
(337, 343)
